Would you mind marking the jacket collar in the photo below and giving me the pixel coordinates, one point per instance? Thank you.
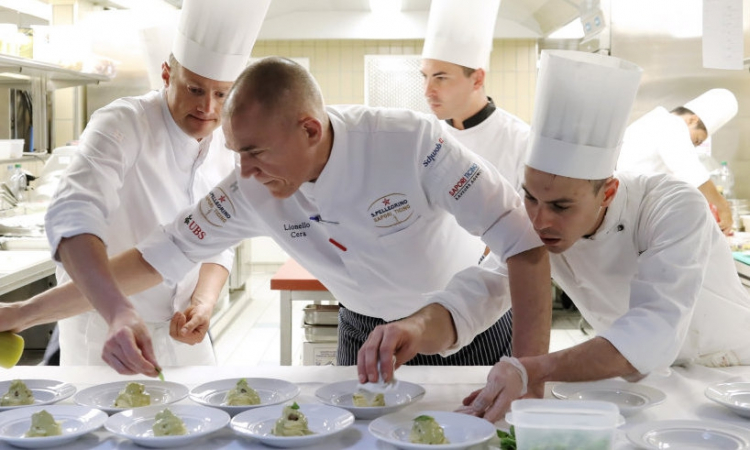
(479, 117)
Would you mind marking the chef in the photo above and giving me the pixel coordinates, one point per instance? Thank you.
(455, 59)
(370, 202)
(456, 53)
(140, 161)
(640, 255)
(664, 142)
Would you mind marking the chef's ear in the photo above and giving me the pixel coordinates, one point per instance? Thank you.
(610, 189)
(478, 77)
(165, 73)
(313, 129)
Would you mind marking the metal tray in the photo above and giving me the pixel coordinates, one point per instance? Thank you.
(321, 314)
(321, 333)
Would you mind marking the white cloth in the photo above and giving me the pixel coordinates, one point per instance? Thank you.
(657, 279)
(501, 139)
(659, 142)
(134, 170)
(390, 194)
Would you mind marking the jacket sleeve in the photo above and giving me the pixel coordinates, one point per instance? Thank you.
(674, 239)
(219, 221)
(486, 205)
(89, 189)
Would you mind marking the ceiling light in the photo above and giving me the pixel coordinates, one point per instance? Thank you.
(385, 6)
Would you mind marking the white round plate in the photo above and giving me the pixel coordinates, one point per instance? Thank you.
(735, 396)
(462, 430)
(340, 394)
(45, 392)
(271, 391)
(75, 422)
(689, 434)
(103, 396)
(323, 420)
(137, 424)
(629, 397)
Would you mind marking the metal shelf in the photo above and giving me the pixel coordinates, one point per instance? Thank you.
(41, 78)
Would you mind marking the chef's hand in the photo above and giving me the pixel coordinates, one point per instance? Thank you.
(191, 326)
(504, 384)
(397, 340)
(128, 348)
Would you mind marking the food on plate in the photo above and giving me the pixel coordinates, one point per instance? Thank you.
(18, 394)
(167, 424)
(507, 440)
(291, 423)
(360, 399)
(242, 395)
(43, 425)
(425, 430)
(11, 348)
(133, 396)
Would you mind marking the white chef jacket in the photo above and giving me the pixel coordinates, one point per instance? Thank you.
(657, 279)
(501, 139)
(135, 170)
(385, 241)
(659, 142)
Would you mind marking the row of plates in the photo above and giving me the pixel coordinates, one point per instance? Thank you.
(324, 421)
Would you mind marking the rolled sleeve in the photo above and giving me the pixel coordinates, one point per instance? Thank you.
(164, 255)
(68, 219)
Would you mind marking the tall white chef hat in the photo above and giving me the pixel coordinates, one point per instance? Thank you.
(215, 38)
(460, 31)
(715, 108)
(583, 102)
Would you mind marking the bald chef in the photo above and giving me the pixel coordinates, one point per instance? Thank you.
(640, 255)
(664, 142)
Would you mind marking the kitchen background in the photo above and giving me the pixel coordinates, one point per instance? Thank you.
(357, 55)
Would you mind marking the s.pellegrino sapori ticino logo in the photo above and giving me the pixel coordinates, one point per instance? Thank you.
(434, 153)
(217, 207)
(390, 210)
(461, 186)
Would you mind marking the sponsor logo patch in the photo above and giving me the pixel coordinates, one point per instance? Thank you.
(433, 155)
(217, 207)
(464, 183)
(390, 210)
(194, 227)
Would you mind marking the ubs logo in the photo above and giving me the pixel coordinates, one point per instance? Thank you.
(217, 207)
(390, 210)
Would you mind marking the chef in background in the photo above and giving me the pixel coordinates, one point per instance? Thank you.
(456, 52)
(640, 255)
(455, 59)
(664, 141)
(140, 161)
(374, 203)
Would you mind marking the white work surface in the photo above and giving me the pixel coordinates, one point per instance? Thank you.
(445, 387)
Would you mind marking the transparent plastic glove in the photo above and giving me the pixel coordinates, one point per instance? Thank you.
(369, 390)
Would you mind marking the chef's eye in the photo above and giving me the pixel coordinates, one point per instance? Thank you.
(557, 207)
(195, 90)
(529, 198)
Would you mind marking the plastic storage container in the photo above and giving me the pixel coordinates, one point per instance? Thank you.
(321, 314)
(551, 423)
(11, 148)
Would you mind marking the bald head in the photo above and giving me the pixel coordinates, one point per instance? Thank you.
(280, 87)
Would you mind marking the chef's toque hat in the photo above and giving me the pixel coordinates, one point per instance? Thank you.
(583, 102)
(215, 38)
(715, 108)
(461, 31)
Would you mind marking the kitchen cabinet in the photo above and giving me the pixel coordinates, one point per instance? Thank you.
(41, 78)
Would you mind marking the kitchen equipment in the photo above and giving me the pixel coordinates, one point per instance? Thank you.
(11, 349)
(321, 315)
(546, 423)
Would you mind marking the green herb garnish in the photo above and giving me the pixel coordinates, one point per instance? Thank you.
(295, 405)
(161, 376)
(507, 440)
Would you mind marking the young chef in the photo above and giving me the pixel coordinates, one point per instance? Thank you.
(370, 202)
(640, 255)
(140, 161)
(664, 142)
(455, 57)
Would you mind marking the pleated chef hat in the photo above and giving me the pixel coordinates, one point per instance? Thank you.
(214, 38)
(583, 102)
(715, 108)
(461, 31)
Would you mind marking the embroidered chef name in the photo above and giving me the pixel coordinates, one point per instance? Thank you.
(463, 185)
(432, 156)
(296, 230)
(390, 210)
(216, 207)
